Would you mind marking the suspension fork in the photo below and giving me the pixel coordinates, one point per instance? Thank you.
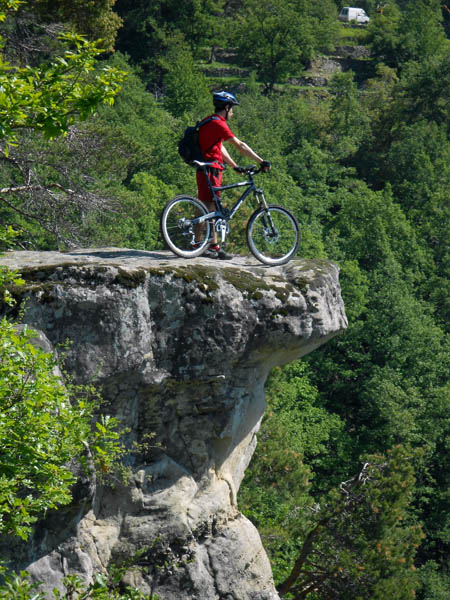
(259, 194)
(267, 220)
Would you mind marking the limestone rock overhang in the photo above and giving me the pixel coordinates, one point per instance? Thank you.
(284, 311)
(181, 351)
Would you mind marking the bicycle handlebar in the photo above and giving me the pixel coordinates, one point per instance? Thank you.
(250, 170)
(253, 170)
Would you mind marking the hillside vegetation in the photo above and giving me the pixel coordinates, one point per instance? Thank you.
(364, 164)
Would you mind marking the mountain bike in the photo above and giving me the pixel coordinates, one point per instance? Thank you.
(273, 234)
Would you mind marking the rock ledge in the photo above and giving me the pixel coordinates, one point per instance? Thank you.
(181, 350)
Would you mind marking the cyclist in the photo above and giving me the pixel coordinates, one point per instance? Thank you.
(211, 136)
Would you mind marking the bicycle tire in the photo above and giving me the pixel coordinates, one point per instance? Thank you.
(178, 231)
(273, 246)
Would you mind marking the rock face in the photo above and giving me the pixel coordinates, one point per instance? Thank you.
(321, 69)
(181, 350)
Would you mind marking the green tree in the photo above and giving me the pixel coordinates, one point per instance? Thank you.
(278, 37)
(276, 493)
(92, 18)
(141, 204)
(412, 33)
(47, 99)
(359, 540)
(148, 30)
(40, 429)
(104, 587)
(386, 377)
(41, 432)
(380, 104)
(45, 426)
(186, 88)
(360, 543)
(348, 122)
(51, 97)
(424, 88)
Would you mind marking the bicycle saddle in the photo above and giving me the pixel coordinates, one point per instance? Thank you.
(203, 164)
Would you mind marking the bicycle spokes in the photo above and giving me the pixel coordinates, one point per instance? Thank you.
(273, 235)
(182, 234)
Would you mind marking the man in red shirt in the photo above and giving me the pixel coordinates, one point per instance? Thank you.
(211, 136)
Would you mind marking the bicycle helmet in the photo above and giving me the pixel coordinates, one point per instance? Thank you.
(221, 99)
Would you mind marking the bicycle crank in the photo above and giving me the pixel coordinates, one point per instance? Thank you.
(222, 228)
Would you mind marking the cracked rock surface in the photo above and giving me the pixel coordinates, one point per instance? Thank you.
(181, 351)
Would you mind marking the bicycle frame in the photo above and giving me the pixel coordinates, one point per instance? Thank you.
(221, 212)
(272, 232)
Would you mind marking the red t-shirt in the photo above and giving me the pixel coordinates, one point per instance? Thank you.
(211, 135)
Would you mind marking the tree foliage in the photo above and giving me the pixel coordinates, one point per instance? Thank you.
(412, 34)
(104, 587)
(358, 544)
(94, 19)
(277, 38)
(186, 88)
(51, 97)
(365, 170)
(45, 425)
(41, 432)
(48, 99)
(149, 29)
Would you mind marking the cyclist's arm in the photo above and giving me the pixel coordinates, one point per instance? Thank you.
(227, 158)
(244, 149)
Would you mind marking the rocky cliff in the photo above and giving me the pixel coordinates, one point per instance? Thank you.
(181, 350)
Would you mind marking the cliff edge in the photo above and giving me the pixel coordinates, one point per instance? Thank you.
(181, 351)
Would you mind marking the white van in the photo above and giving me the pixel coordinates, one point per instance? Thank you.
(350, 13)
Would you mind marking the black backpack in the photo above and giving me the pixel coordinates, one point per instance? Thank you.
(189, 147)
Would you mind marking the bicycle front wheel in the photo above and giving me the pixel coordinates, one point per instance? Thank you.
(273, 235)
(181, 235)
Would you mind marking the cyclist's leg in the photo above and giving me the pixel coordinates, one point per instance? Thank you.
(204, 193)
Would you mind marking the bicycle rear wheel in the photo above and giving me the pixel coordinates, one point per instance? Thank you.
(180, 234)
(273, 235)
